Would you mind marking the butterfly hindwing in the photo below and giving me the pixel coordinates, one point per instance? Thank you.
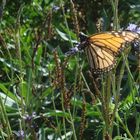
(99, 59)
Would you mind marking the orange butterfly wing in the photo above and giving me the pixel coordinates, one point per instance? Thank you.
(102, 48)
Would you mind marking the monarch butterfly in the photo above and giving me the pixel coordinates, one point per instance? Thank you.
(102, 48)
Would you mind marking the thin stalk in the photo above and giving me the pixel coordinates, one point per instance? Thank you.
(72, 124)
(59, 129)
(116, 93)
(137, 130)
(1, 134)
(116, 15)
(18, 48)
(75, 18)
(85, 81)
(66, 23)
(130, 74)
(124, 127)
(5, 120)
(76, 77)
(109, 120)
(114, 4)
(71, 118)
(106, 91)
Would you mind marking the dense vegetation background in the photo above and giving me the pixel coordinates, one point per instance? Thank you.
(45, 95)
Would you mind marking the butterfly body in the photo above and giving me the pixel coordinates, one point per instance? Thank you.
(102, 48)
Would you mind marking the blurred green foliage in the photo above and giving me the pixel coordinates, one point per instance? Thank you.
(30, 30)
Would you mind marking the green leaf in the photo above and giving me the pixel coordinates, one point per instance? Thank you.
(63, 35)
(8, 93)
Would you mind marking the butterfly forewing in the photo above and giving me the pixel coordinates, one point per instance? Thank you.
(102, 48)
(127, 36)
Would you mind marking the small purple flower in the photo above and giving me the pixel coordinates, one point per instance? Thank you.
(55, 8)
(72, 51)
(33, 114)
(28, 117)
(133, 27)
(112, 99)
(20, 134)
